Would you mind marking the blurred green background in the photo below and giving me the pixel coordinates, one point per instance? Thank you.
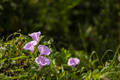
(73, 24)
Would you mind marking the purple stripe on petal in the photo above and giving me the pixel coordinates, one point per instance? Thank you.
(30, 46)
(35, 35)
(40, 66)
(73, 62)
(42, 61)
(44, 50)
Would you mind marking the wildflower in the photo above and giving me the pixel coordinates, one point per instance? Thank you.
(42, 61)
(35, 35)
(73, 62)
(44, 50)
(30, 45)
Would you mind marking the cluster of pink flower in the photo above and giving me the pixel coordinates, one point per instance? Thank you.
(44, 50)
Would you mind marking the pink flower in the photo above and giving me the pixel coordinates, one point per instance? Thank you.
(35, 35)
(30, 46)
(44, 50)
(42, 61)
(73, 62)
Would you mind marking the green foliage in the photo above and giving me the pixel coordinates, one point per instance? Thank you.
(17, 63)
(82, 24)
(87, 29)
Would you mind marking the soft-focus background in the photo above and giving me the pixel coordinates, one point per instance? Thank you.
(73, 24)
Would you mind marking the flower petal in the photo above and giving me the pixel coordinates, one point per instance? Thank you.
(30, 45)
(73, 62)
(42, 61)
(44, 50)
(35, 35)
